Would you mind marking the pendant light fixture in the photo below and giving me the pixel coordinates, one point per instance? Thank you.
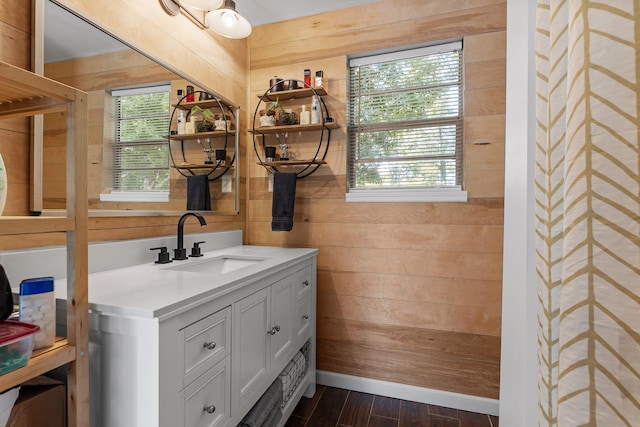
(203, 4)
(226, 22)
(220, 16)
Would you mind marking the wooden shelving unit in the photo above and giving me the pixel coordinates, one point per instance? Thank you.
(42, 361)
(195, 167)
(207, 103)
(285, 95)
(203, 135)
(268, 130)
(23, 93)
(296, 162)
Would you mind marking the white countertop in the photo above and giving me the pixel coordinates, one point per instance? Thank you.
(159, 290)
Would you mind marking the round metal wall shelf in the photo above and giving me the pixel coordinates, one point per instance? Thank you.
(177, 152)
(261, 134)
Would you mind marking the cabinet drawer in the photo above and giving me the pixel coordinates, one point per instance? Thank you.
(207, 399)
(303, 320)
(206, 342)
(303, 282)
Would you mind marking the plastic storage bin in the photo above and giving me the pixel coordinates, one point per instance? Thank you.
(38, 306)
(16, 344)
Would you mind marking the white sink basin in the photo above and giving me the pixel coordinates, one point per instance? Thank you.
(218, 265)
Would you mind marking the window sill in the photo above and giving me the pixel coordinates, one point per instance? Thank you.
(135, 196)
(399, 195)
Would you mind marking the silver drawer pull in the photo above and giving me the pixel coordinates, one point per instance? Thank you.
(209, 409)
(273, 330)
(210, 346)
(305, 317)
(306, 283)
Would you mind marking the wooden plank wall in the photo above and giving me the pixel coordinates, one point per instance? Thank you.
(15, 49)
(407, 292)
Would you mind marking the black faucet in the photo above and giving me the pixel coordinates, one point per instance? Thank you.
(180, 252)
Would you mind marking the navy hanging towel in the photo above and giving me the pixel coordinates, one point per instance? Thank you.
(284, 197)
(198, 197)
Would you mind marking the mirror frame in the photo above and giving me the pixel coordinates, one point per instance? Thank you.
(36, 194)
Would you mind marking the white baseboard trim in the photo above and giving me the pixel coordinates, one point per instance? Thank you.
(447, 399)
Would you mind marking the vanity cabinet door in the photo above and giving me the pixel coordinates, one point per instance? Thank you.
(282, 309)
(250, 352)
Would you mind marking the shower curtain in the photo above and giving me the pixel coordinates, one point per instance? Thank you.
(588, 212)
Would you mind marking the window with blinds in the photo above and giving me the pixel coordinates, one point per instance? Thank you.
(136, 154)
(405, 119)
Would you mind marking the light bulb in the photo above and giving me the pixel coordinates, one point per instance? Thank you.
(227, 22)
(229, 19)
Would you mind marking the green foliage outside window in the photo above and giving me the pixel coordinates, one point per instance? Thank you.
(140, 155)
(405, 122)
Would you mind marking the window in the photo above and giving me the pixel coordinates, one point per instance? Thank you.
(405, 125)
(135, 152)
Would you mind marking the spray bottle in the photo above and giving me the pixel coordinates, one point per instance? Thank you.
(316, 113)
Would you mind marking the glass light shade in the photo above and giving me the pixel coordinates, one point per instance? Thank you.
(203, 4)
(228, 23)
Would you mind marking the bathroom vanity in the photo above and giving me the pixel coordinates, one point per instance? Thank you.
(200, 348)
(196, 342)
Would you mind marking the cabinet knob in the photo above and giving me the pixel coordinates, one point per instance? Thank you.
(274, 330)
(210, 345)
(306, 283)
(305, 317)
(209, 409)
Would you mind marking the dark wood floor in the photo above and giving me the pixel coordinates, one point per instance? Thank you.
(335, 407)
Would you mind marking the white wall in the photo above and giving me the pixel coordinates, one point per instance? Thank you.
(518, 370)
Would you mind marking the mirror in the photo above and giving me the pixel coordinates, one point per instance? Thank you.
(83, 56)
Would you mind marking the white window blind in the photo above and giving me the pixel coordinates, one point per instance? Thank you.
(405, 119)
(136, 154)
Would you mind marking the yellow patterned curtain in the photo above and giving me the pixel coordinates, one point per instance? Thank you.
(588, 212)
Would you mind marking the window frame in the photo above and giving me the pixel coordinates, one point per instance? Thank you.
(137, 195)
(405, 193)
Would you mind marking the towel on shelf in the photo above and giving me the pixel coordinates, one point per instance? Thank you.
(284, 197)
(273, 418)
(261, 411)
(198, 197)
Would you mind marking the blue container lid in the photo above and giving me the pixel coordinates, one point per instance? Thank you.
(37, 285)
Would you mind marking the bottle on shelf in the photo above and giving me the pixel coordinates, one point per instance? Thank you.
(319, 79)
(305, 116)
(189, 126)
(190, 94)
(181, 123)
(316, 114)
(307, 78)
(276, 84)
